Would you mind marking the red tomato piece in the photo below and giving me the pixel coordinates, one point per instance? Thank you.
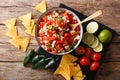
(59, 42)
(66, 35)
(80, 50)
(49, 22)
(58, 22)
(96, 56)
(85, 61)
(94, 66)
(45, 18)
(54, 51)
(88, 52)
(41, 42)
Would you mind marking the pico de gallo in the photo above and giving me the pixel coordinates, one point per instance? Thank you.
(54, 33)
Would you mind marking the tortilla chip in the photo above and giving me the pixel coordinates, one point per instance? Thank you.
(12, 32)
(71, 58)
(76, 70)
(64, 60)
(24, 43)
(41, 7)
(31, 32)
(16, 41)
(26, 19)
(64, 71)
(10, 23)
(78, 77)
(32, 23)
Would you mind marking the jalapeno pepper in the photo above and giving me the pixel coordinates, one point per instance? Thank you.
(50, 61)
(37, 58)
(28, 56)
(39, 63)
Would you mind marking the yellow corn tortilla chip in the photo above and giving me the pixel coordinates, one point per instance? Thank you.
(24, 43)
(71, 65)
(26, 19)
(71, 57)
(76, 70)
(65, 60)
(10, 23)
(41, 6)
(32, 24)
(31, 32)
(12, 32)
(78, 77)
(16, 41)
(64, 70)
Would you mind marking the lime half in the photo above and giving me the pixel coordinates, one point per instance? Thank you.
(95, 43)
(99, 48)
(92, 27)
(88, 38)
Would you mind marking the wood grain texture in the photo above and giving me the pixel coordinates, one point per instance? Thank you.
(11, 67)
(16, 71)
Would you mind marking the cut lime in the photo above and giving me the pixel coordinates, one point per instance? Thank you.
(99, 48)
(95, 44)
(88, 38)
(92, 27)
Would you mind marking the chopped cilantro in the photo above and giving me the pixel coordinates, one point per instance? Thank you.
(49, 46)
(60, 18)
(51, 27)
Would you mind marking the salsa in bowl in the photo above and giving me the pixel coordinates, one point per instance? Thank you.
(54, 34)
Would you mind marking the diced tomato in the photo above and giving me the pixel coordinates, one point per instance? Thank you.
(68, 16)
(53, 38)
(59, 42)
(73, 33)
(50, 35)
(47, 48)
(66, 35)
(53, 31)
(74, 21)
(54, 51)
(58, 22)
(45, 18)
(59, 47)
(49, 22)
(41, 25)
(41, 42)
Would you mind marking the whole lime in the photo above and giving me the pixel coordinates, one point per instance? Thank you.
(105, 36)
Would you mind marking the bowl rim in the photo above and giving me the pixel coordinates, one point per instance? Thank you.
(64, 9)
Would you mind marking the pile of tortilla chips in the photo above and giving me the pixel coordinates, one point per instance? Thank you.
(69, 69)
(17, 40)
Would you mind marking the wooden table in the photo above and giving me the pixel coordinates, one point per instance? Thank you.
(11, 67)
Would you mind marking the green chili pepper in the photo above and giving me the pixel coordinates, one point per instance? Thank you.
(28, 56)
(37, 58)
(39, 63)
(50, 61)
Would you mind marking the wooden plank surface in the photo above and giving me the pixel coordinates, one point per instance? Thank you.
(11, 67)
